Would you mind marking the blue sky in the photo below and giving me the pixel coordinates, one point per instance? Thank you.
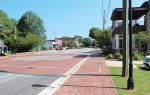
(64, 17)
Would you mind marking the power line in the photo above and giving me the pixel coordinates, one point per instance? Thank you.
(102, 8)
(108, 8)
(78, 27)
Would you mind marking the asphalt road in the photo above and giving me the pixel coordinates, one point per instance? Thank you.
(19, 84)
(28, 84)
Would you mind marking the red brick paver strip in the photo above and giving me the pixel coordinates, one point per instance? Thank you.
(93, 78)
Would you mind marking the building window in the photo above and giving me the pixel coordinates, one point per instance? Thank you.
(120, 42)
(138, 44)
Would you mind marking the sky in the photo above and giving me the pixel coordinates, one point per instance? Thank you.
(65, 17)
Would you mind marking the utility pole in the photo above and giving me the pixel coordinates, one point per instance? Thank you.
(104, 20)
(125, 39)
(15, 40)
(130, 83)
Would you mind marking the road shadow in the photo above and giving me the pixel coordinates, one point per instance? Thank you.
(80, 56)
(96, 75)
(143, 68)
(41, 86)
(92, 55)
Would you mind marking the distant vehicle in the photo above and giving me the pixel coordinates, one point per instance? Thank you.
(66, 48)
(2, 53)
(59, 48)
(147, 61)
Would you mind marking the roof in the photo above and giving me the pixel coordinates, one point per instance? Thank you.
(2, 44)
(137, 12)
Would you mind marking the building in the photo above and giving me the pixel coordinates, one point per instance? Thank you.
(117, 27)
(59, 43)
(62, 41)
(50, 44)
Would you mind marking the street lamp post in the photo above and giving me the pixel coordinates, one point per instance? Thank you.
(130, 83)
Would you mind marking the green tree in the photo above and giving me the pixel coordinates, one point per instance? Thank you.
(94, 43)
(79, 38)
(70, 44)
(87, 42)
(102, 37)
(30, 22)
(143, 37)
(94, 32)
(6, 25)
(30, 27)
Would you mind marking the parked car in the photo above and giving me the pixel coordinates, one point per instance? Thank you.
(147, 61)
(59, 48)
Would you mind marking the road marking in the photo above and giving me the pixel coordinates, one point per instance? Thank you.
(5, 76)
(61, 80)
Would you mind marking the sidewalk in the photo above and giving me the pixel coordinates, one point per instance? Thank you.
(93, 78)
(114, 63)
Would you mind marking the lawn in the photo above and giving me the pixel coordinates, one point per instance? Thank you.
(141, 79)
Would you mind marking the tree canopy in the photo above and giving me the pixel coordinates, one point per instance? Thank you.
(87, 42)
(103, 37)
(79, 38)
(23, 35)
(30, 22)
(71, 44)
(6, 25)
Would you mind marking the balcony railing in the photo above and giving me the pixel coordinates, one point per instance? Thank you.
(136, 29)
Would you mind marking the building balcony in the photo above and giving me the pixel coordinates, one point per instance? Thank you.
(136, 29)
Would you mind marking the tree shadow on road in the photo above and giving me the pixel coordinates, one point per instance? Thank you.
(92, 55)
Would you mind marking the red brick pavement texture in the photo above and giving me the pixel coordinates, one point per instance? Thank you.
(93, 78)
(42, 67)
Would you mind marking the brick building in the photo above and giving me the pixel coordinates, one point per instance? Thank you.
(138, 12)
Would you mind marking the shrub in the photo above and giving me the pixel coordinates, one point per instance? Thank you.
(117, 55)
(106, 52)
(120, 58)
(109, 56)
(44, 48)
(137, 55)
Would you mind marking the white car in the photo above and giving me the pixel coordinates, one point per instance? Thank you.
(147, 61)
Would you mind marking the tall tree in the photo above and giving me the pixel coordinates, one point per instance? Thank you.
(102, 37)
(79, 38)
(94, 33)
(30, 22)
(31, 26)
(87, 42)
(6, 25)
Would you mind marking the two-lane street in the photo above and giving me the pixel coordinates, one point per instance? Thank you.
(29, 74)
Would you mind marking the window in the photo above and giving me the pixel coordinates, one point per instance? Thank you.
(138, 44)
(120, 42)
